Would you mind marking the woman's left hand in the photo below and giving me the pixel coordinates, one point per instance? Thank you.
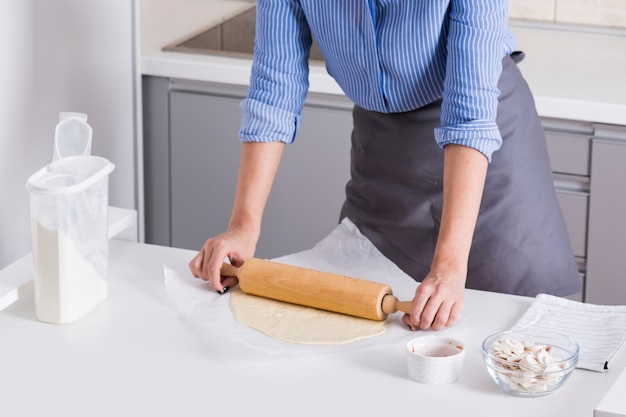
(438, 301)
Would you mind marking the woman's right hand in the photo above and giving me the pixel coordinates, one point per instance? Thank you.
(235, 245)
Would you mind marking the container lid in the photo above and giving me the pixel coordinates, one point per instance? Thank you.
(72, 136)
(60, 177)
(73, 169)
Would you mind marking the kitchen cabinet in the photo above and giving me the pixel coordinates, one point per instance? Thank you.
(590, 176)
(192, 151)
(606, 248)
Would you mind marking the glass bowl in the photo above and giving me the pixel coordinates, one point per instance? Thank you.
(528, 363)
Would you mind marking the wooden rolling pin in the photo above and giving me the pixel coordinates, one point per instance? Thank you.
(323, 290)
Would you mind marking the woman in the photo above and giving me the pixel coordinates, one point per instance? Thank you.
(450, 177)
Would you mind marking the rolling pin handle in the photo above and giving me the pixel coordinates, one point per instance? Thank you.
(229, 270)
(390, 305)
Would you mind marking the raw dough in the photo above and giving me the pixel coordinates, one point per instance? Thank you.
(298, 324)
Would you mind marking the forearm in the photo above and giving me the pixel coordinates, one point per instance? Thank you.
(257, 170)
(465, 170)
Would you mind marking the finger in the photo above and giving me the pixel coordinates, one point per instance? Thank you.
(407, 320)
(427, 317)
(420, 301)
(214, 275)
(228, 283)
(212, 264)
(207, 252)
(431, 312)
(213, 268)
(441, 316)
(195, 265)
(455, 313)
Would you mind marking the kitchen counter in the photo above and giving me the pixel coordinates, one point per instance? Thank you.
(136, 355)
(576, 75)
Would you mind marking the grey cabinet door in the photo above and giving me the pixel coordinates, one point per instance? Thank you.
(308, 191)
(204, 157)
(589, 171)
(156, 157)
(606, 261)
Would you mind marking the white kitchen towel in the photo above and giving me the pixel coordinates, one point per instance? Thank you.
(599, 330)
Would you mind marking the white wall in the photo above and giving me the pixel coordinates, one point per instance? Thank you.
(602, 13)
(62, 55)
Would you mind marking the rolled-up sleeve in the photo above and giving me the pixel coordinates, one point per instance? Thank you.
(478, 39)
(263, 123)
(279, 77)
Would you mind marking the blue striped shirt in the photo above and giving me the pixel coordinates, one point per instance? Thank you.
(387, 56)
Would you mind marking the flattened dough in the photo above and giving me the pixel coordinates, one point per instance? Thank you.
(298, 324)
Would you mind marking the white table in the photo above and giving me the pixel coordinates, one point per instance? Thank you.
(136, 355)
(614, 403)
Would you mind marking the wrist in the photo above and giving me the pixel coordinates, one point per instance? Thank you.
(449, 264)
(248, 227)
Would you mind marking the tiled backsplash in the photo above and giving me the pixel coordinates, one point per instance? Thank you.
(603, 13)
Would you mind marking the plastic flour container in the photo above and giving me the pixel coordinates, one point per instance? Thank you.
(69, 219)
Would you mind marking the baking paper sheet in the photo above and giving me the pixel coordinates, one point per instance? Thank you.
(344, 251)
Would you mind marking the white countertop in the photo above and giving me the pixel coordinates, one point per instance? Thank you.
(614, 403)
(136, 355)
(165, 21)
(573, 75)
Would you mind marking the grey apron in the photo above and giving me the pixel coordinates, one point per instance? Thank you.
(394, 196)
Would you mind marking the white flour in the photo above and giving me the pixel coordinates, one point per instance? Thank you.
(67, 286)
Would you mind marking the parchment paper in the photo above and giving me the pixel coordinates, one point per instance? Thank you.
(344, 251)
